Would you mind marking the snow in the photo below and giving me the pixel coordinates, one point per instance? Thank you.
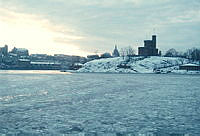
(134, 65)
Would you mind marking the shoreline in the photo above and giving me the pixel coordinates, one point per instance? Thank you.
(3, 71)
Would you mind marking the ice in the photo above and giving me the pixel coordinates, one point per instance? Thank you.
(99, 104)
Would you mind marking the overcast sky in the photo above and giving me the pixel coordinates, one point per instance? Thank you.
(82, 27)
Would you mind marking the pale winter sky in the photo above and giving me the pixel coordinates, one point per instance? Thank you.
(82, 27)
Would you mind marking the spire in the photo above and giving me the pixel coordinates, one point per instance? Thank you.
(115, 47)
(115, 52)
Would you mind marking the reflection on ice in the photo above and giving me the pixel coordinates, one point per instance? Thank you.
(20, 96)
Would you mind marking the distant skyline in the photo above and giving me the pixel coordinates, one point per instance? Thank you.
(82, 27)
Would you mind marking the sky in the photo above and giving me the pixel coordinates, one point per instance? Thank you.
(82, 27)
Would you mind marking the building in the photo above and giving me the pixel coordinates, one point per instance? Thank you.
(106, 55)
(20, 51)
(39, 55)
(190, 67)
(24, 63)
(4, 50)
(45, 66)
(115, 52)
(149, 48)
(92, 57)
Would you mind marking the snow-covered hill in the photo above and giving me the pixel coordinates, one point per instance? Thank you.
(134, 65)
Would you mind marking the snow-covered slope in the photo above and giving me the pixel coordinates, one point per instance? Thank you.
(133, 65)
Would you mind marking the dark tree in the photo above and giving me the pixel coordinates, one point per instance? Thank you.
(129, 51)
(193, 54)
(171, 53)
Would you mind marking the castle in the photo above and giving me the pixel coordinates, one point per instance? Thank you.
(149, 48)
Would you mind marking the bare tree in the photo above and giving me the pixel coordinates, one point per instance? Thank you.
(127, 51)
(193, 54)
(122, 52)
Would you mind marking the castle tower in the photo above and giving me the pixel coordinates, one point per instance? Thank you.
(154, 40)
(149, 48)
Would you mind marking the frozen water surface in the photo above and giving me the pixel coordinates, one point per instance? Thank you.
(82, 104)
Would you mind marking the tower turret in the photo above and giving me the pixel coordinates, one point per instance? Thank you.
(154, 40)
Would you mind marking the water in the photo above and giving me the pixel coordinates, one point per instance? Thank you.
(53, 103)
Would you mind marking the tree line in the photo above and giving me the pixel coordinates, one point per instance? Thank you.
(193, 54)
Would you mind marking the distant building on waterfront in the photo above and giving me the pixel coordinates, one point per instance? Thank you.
(20, 51)
(92, 57)
(19, 59)
(190, 67)
(4, 50)
(149, 48)
(106, 55)
(39, 55)
(115, 52)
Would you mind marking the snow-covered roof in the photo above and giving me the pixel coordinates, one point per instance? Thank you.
(44, 63)
(190, 64)
(21, 49)
(78, 64)
(24, 60)
(12, 54)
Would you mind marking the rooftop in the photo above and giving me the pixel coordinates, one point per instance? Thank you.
(190, 64)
